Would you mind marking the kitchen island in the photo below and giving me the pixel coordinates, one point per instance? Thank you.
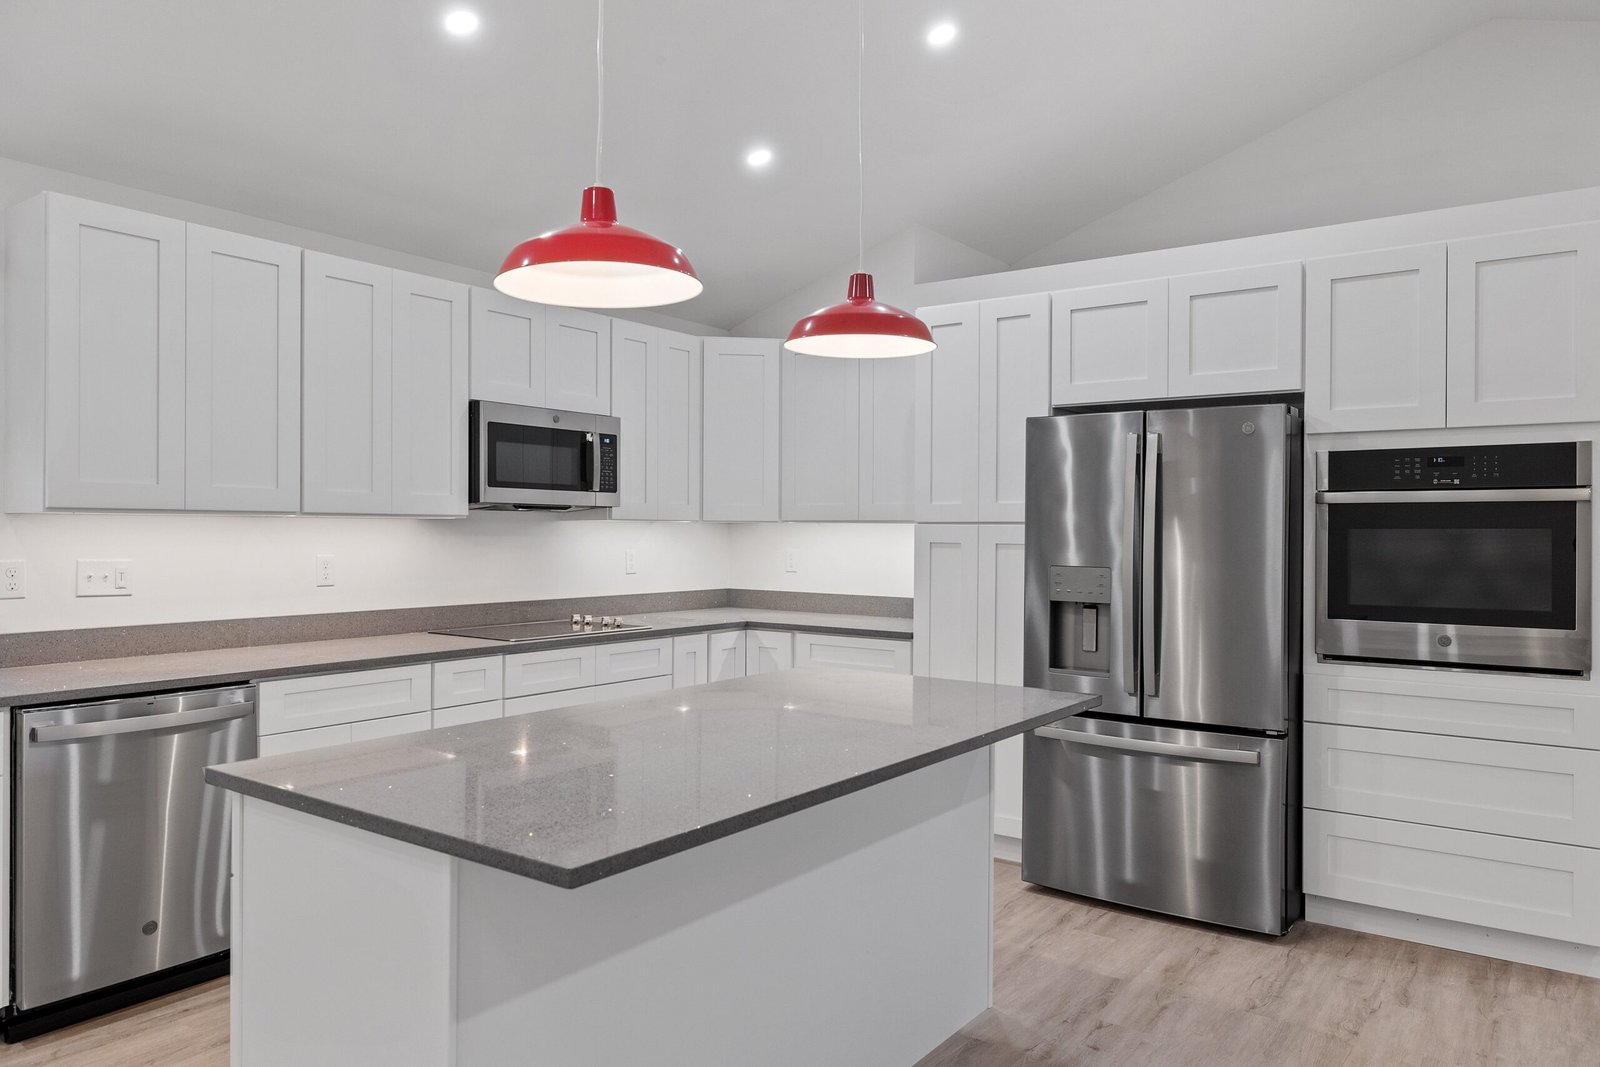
(787, 868)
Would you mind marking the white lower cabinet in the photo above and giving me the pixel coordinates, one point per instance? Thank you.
(852, 653)
(393, 726)
(5, 883)
(549, 670)
(689, 656)
(461, 714)
(1000, 585)
(336, 699)
(628, 660)
(593, 694)
(725, 653)
(944, 622)
(767, 651)
(303, 740)
(468, 681)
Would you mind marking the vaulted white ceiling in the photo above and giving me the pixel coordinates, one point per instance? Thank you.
(362, 119)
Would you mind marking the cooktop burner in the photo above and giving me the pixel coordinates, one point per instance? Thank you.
(578, 626)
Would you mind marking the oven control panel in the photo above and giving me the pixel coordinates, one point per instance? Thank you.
(1530, 466)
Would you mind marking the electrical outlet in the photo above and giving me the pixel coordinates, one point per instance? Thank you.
(630, 562)
(324, 569)
(13, 579)
(105, 577)
(789, 564)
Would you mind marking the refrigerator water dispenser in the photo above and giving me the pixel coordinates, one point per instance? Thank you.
(1080, 619)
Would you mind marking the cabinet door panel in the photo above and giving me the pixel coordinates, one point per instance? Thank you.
(1000, 584)
(725, 655)
(242, 425)
(348, 391)
(333, 699)
(577, 360)
(945, 612)
(462, 714)
(115, 358)
(742, 437)
(689, 659)
(548, 670)
(1109, 343)
(430, 396)
(947, 417)
(1235, 331)
(303, 740)
(839, 651)
(1375, 340)
(393, 726)
(593, 694)
(508, 357)
(627, 660)
(767, 651)
(1525, 327)
(888, 489)
(676, 432)
(635, 386)
(821, 437)
(1013, 385)
(468, 681)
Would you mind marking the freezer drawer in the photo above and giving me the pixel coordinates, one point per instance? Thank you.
(1184, 822)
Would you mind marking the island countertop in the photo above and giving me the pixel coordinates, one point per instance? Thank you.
(574, 795)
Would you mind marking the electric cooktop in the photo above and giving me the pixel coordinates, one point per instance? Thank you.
(552, 630)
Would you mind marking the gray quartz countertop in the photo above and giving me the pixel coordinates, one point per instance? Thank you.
(55, 683)
(574, 795)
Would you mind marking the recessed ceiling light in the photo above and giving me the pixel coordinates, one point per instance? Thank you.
(941, 34)
(460, 22)
(757, 158)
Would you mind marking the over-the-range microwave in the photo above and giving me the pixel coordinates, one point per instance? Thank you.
(538, 459)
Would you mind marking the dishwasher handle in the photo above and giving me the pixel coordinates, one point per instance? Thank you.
(1153, 748)
(141, 723)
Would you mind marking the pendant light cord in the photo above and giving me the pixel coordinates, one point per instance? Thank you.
(599, 84)
(861, 170)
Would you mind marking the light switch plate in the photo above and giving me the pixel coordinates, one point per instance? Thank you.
(13, 579)
(105, 577)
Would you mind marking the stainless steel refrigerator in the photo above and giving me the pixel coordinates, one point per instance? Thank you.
(1163, 572)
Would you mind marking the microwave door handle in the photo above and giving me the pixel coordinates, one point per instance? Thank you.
(591, 444)
(1130, 535)
(1150, 579)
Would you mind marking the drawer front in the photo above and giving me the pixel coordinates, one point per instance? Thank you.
(689, 660)
(392, 726)
(1495, 787)
(1531, 887)
(854, 653)
(303, 740)
(724, 655)
(592, 695)
(628, 660)
(549, 670)
(332, 699)
(1570, 719)
(468, 681)
(766, 651)
(462, 714)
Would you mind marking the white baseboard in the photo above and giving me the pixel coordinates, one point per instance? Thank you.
(1444, 933)
(1006, 847)
(1007, 825)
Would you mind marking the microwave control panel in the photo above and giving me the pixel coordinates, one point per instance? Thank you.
(1551, 465)
(606, 463)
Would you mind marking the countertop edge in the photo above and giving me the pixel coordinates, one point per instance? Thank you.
(585, 874)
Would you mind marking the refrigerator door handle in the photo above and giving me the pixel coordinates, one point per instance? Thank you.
(1130, 531)
(1150, 579)
(1153, 748)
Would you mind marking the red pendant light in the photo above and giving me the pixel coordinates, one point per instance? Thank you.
(861, 327)
(598, 263)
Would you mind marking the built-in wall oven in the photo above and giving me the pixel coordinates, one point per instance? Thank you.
(1472, 557)
(541, 459)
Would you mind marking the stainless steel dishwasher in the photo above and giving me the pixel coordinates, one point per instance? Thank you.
(120, 862)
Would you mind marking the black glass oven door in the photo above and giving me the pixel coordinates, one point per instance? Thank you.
(1495, 564)
(537, 458)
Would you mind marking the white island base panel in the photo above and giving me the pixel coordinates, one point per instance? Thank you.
(858, 931)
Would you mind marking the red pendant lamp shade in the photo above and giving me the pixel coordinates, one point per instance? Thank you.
(860, 328)
(598, 263)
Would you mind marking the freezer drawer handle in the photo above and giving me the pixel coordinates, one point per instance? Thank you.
(141, 724)
(1154, 748)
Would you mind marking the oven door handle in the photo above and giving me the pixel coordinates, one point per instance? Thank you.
(1579, 494)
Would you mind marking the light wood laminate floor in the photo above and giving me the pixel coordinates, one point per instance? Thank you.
(1081, 983)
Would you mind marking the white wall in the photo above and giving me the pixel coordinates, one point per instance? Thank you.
(1506, 109)
(874, 559)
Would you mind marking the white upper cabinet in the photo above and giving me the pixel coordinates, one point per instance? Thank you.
(429, 422)
(1013, 385)
(821, 437)
(887, 487)
(95, 352)
(742, 410)
(242, 423)
(1235, 331)
(349, 360)
(635, 386)
(1524, 327)
(577, 360)
(1109, 343)
(947, 406)
(1375, 340)
(508, 342)
(675, 435)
